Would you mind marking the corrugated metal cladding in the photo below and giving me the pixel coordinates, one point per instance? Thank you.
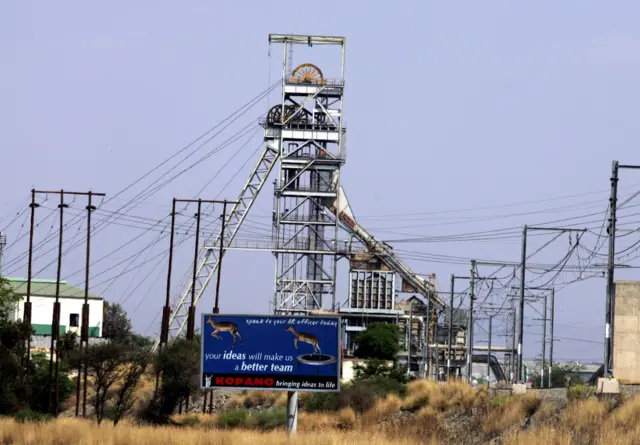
(371, 289)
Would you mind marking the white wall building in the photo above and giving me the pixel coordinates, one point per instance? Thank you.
(43, 293)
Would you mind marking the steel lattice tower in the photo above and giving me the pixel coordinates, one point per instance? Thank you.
(308, 130)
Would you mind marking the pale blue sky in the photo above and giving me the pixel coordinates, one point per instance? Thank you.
(449, 106)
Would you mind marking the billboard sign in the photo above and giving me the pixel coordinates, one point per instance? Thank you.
(293, 353)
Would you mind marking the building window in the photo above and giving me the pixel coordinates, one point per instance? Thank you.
(74, 320)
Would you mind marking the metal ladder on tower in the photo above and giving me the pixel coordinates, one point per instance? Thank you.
(208, 257)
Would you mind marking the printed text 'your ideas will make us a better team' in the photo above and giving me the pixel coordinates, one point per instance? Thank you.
(255, 366)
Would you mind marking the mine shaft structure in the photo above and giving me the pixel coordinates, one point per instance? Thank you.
(305, 132)
(308, 130)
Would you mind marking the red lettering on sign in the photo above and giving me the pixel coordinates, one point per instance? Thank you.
(244, 381)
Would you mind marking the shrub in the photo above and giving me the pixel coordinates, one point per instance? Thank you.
(360, 397)
(580, 392)
(191, 420)
(29, 416)
(375, 368)
(270, 419)
(39, 382)
(347, 418)
(233, 418)
(382, 386)
(321, 401)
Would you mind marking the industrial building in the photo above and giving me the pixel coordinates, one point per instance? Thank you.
(43, 295)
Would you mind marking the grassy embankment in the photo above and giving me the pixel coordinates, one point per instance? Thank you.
(426, 414)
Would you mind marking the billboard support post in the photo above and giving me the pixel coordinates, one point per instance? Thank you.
(292, 412)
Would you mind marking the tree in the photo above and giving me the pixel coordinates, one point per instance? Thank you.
(179, 365)
(116, 324)
(8, 300)
(39, 383)
(14, 388)
(140, 341)
(375, 368)
(379, 341)
(104, 363)
(137, 363)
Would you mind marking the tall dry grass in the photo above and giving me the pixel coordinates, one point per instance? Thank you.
(77, 432)
(430, 414)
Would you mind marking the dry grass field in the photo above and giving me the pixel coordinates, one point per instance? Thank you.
(429, 414)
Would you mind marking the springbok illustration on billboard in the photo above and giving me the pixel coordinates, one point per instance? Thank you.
(225, 326)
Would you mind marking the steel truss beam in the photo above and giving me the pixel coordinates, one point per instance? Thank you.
(208, 258)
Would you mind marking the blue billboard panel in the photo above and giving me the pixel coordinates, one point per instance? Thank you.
(293, 353)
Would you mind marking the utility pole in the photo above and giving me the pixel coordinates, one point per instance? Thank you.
(409, 340)
(27, 303)
(55, 325)
(523, 265)
(54, 349)
(164, 329)
(426, 351)
(544, 341)
(553, 303)
(522, 285)
(610, 301)
(450, 327)
(608, 343)
(84, 329)
(472, 295)
(472, 298)
(192, 307)
(292, 396)
(425, 339)
(489, 352)
(166, 310)
(512, 356)
(436, 368)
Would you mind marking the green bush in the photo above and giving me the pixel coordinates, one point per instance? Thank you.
(580, 392)
(384, 386)
(191, 420)
(378, 341)
(360, 397)
(233, 418)
(39, 382)
(109, 411)
(321, 401)
(29, 416)
(379, 368)
(270, 419)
